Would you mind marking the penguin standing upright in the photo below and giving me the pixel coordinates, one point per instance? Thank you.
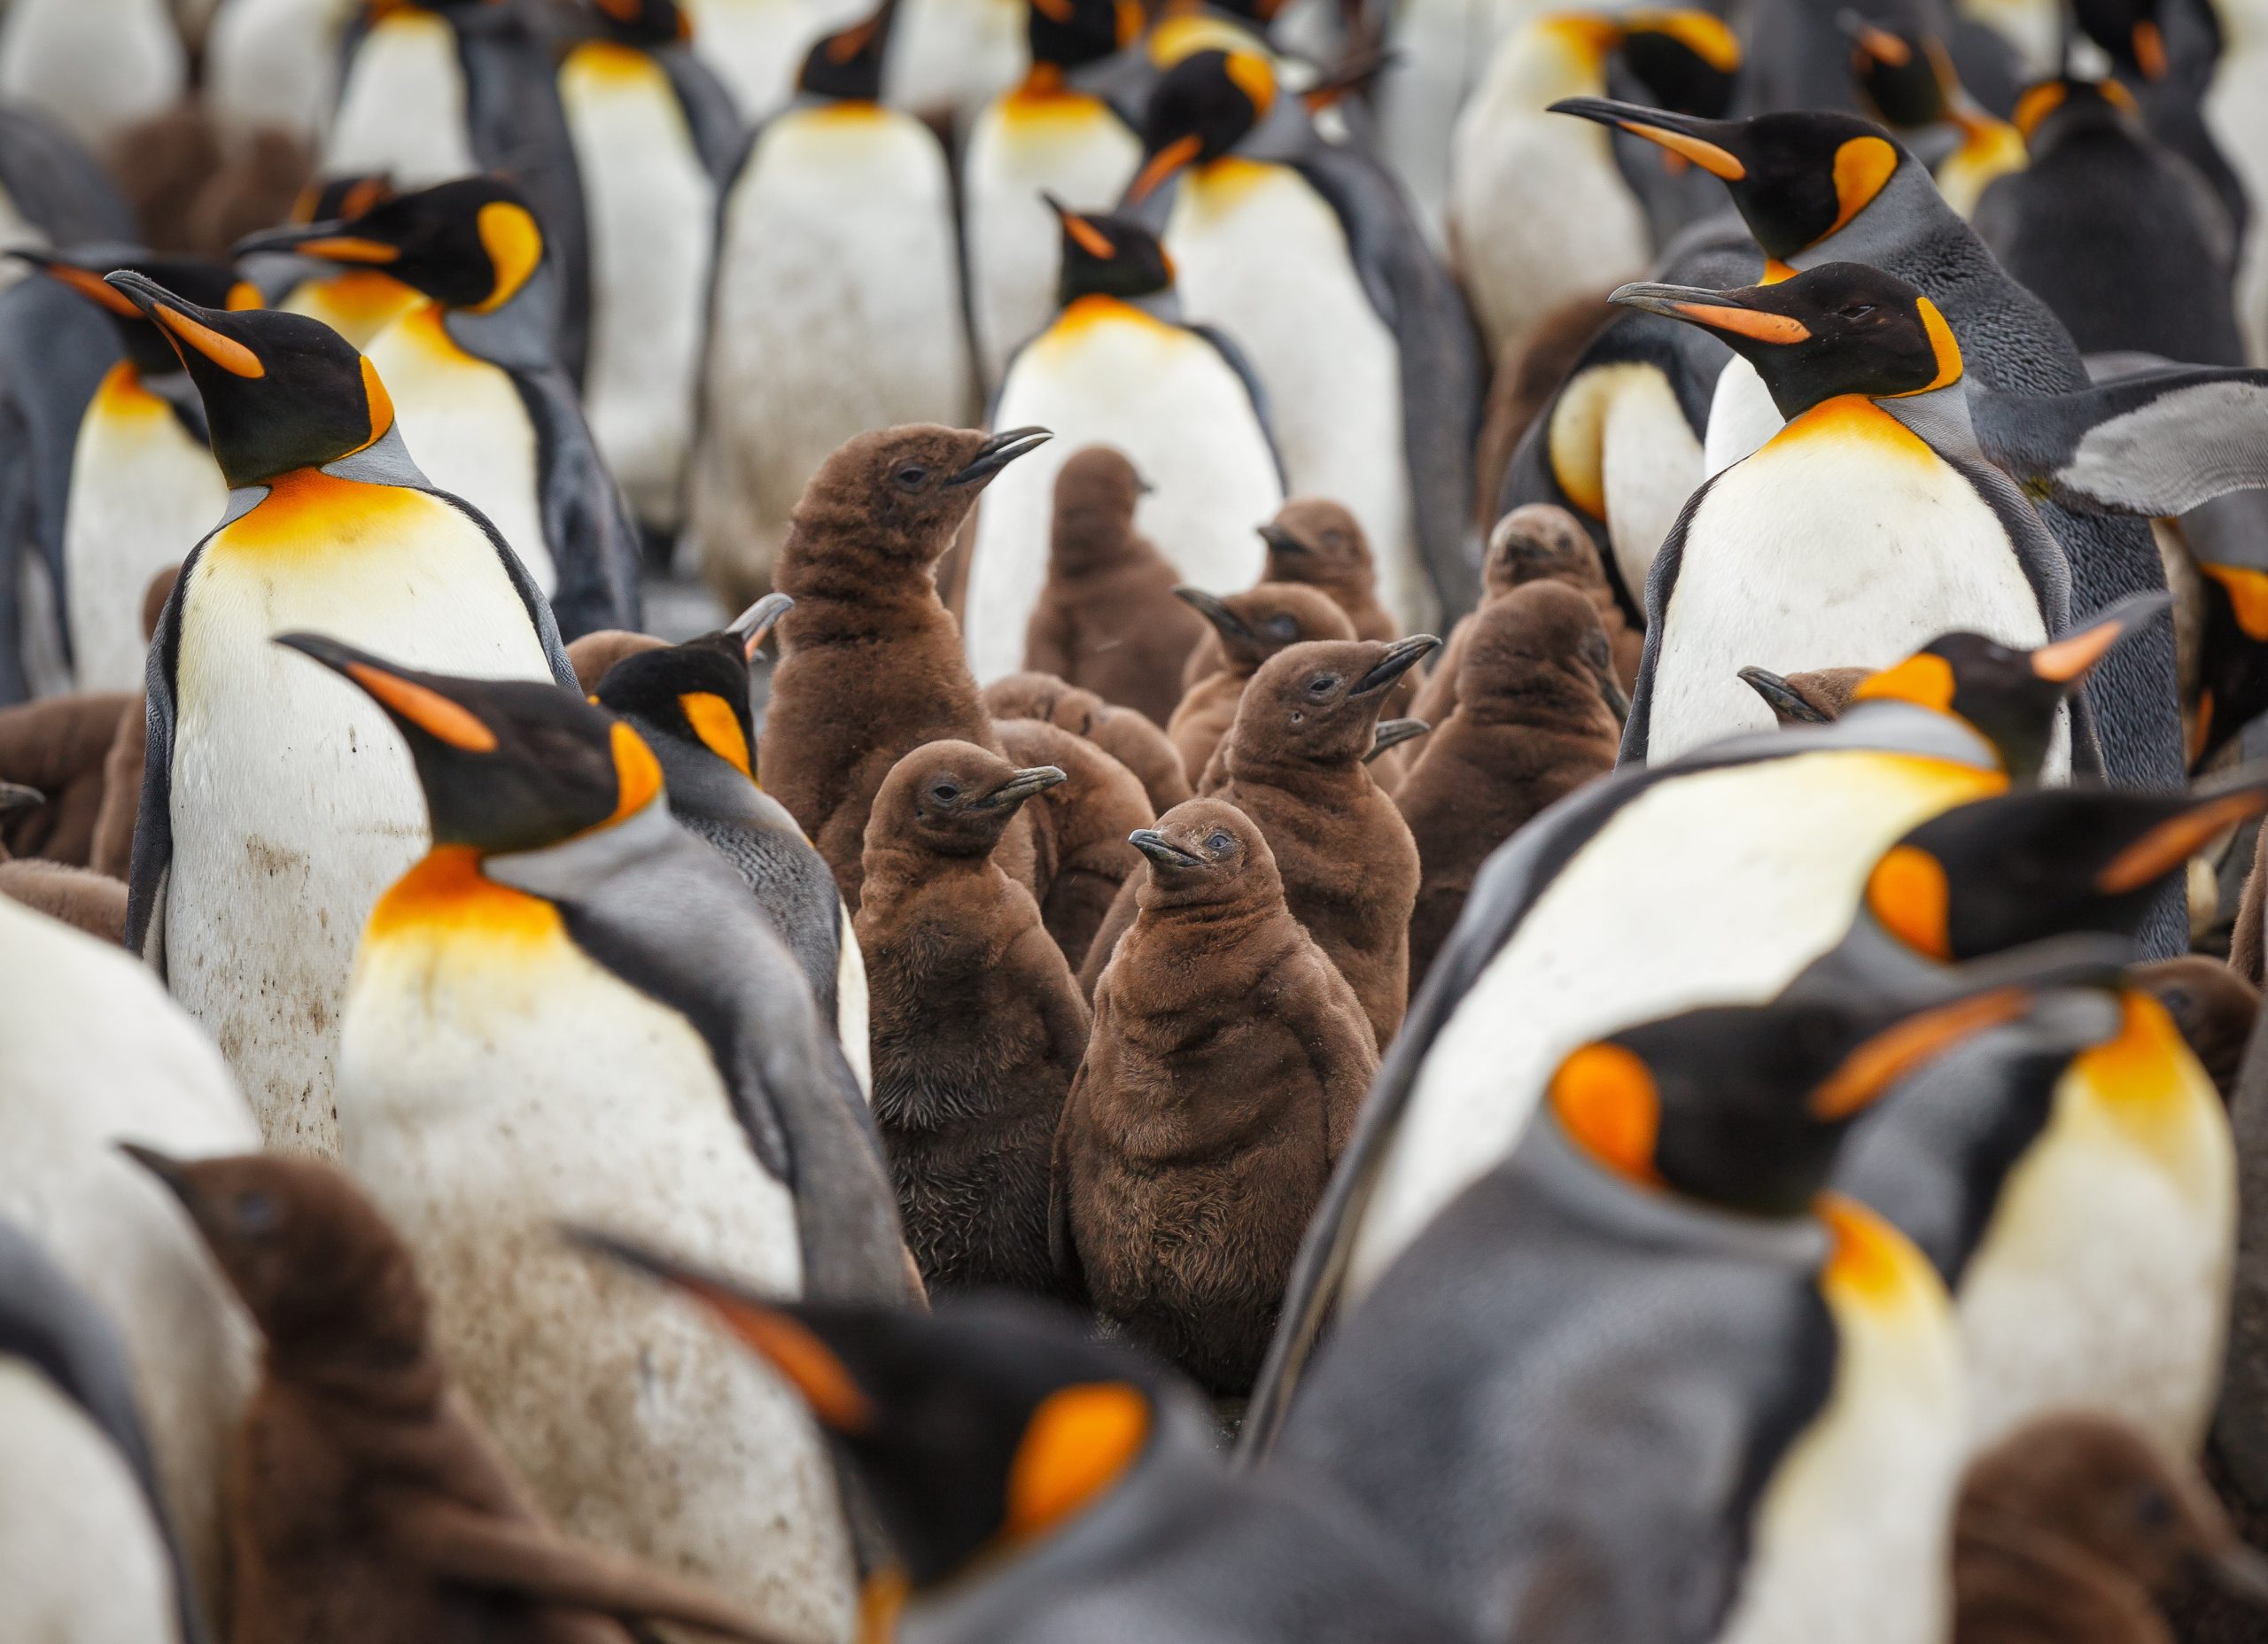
(271, 814)
(654, 136)
(1281, 238)
(95, 68)
(1119, 367)
(690, 703)
(837, 305)
(143, 486)
(569, 1011)
(1046, 137)
(487, 409)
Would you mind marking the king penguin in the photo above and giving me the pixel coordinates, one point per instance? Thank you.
(1756, 1384)
(271, 815)
(654, 135)
(690, 703)
(1909, 78)
(1281, 238)
(143, 486)
(570, 1010)
(485, 405)
(356, 300)
(1120, 367)
(837, 306)
(1046, 137)
(756, 47)
(97, 68)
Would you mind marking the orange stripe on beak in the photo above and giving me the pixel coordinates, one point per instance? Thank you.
(225, 352)
(427, 710)
(1721, 164)
(1162, 165)
(1752, 322)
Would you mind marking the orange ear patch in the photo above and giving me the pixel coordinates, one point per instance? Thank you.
(225, 352)
(1251, 74)
(381, 403)
(2037, 104)
(1883, 1060)
(515, 246)
(1720, 163)
(1862, 166)
(1941, 344)
(1907, 893)
(719, 727)
(1923, 679)
(426, 708)
(1079, 1442)
(1606, 1100)
(637, 773)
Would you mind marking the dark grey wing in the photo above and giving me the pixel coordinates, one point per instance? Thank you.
(790, 883)
(1225, 347)
(57, 186)
(1661, 582)
(2154, 445)
(539, 608)
(47, 1322)
(18, 515)
(594, 546)
(718, 135)
(1442, 376)
(154, 819)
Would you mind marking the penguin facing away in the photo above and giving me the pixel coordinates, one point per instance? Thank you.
(571, 995)
(1120, 367)
(484, 404)
(272, 814)
(836, 245)
(690, 703)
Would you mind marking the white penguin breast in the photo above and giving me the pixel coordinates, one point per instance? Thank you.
(1068, 144)
(951, 55)
(81, 1558)
(854, 1016)
(142, 493)
(1107, 374)
(271, 64)
(468, 430)
(293, 803)
(496, 1085)
(94, 68)
(2102, 1281)
(1741, 417)
(653, 236)
(1261, 255)
(1706, 890)
(402, 110)
(756, 47)
(1846, 542)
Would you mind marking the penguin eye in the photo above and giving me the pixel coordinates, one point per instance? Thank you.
(1858, 311)
(2154, 1509)
(911, 477)
(1220, 844)
(1281, 629)
(254, 1214)
(1323, 684)
(1594, 650)
(1335, 538)
(944, 792)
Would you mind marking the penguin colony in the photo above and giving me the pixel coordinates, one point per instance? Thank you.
(1083, 820)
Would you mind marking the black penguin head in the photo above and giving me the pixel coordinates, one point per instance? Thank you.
(471, 243)
(1203, 852)
(1107, 256)
(281, 392)
(697, 692)
(1070, 34)
(2048, 112)
(507, 764)
(1688, 60)
(1319, 702)
(1840, 329)
(847, 64)
(1201, 109)
(203, 282)
(981, 1428)
(1795, 178)
(644, 22)
(2007, 696)
(336, 198)
(2129, 31)
(1988, 876)
(1744, 1106)
(953, 799)
(1904, 73)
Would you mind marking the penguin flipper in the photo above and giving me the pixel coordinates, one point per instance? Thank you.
(2156, 444)
(153, 820)
(717, 137)
(594, 541)
(1661, 582)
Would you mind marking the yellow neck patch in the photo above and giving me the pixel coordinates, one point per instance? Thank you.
(1079, 1442)
(447, 890)
(2144, 1080)
(719, 727)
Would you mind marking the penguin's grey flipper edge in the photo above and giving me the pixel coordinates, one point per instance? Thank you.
(539, 606)
(595, 548)
(153, 857)
(2154, 445)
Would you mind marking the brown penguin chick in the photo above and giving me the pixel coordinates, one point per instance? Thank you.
(366, 1504)
(2214, 1007)
(1813, 697)
(78, 897)
(58, 746)
(1079, 829)
(871, 665)
(1221, 1083)
(111, 851)
(1134, 740)
(977, 1025)
(2070, 1530)
(1539, 714)
(1294, 764)
(1317, 542)
(594, 656)
(1106, 619)
(1253, 627)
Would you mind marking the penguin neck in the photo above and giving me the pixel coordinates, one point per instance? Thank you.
(1164, 306)
(1940, 419)
(387, 462)
(1082, 545)
(374, 1391)
(847, 593)
(565, 871)
(523, 335)
(1333, 782)
(900, 874)
(1237, 925)
(700, 782)
(1885, 231)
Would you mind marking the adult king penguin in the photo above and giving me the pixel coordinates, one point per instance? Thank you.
(1819, 187)
(570, 1010)
(272, 814)
(1120, 367)
(143, 486)
(655, 137)
(356, 300)
(1281, 238)
(1046, 137)
(485, 404)
(837, 305)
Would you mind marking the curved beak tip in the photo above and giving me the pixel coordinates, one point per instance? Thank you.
(165, 1167)
(752, 624)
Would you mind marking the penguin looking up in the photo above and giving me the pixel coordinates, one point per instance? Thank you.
(690, 703)
(1280, 237)
(870, 661)
(366, 1500)
(143, 484)
(484, 403)
(837, 304)
(1132, 739)
(1253, 627)
(1909, 79)
(272, 814)
(358, 302)
(570, 1000)
(1048, 137)
(1197, 432)
(1022, 1468)
(978, 1021)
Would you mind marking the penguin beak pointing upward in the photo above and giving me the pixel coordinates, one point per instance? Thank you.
(1680, 133)
(998, 451)
(1401, 657)
(1021, 787)
(187, 331)
(1781, 697)
(1722, 312)
(752, 624)
(1282, 540)
(1161, 850)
